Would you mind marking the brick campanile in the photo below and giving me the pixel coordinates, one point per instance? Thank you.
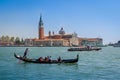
(41, 29)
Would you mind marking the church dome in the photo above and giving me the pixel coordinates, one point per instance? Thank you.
(62, 32)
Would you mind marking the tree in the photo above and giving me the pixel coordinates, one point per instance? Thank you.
(12, 39)
(3, 38)
(7, 38)
(17, 41)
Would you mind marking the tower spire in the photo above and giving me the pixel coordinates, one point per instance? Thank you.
(40, 22)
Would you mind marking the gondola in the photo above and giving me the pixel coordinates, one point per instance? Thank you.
(46, 62)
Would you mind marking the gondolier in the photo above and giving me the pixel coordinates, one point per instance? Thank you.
(25, 53)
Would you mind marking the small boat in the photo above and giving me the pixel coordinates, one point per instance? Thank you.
(25, 59)
(83, 49)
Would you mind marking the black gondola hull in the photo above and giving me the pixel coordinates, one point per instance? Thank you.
(46, 62)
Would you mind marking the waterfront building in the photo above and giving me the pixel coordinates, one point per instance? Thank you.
(74, 40)
(51, 42)
(60, 39)
(91, 42)
(9, 43)
(29, 42)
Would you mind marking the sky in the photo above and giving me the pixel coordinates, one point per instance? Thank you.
(88, 18)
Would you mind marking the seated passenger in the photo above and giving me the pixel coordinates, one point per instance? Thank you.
(59, 59)
(49, 58)
(41, 59)
(46, 59)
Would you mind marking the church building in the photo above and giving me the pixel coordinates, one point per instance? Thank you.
(60, 39)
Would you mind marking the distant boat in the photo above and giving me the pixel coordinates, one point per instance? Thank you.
(83, 49)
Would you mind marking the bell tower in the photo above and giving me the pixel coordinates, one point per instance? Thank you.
(41, 28)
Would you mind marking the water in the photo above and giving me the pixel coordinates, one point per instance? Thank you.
(92, 65)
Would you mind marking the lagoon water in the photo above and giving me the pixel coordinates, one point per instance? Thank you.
(92, 65)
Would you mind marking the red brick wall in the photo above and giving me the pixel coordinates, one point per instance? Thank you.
(41, 33)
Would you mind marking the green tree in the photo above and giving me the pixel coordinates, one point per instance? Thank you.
(7, 38)
(17, 41)
(3, 38)
(12, 39)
